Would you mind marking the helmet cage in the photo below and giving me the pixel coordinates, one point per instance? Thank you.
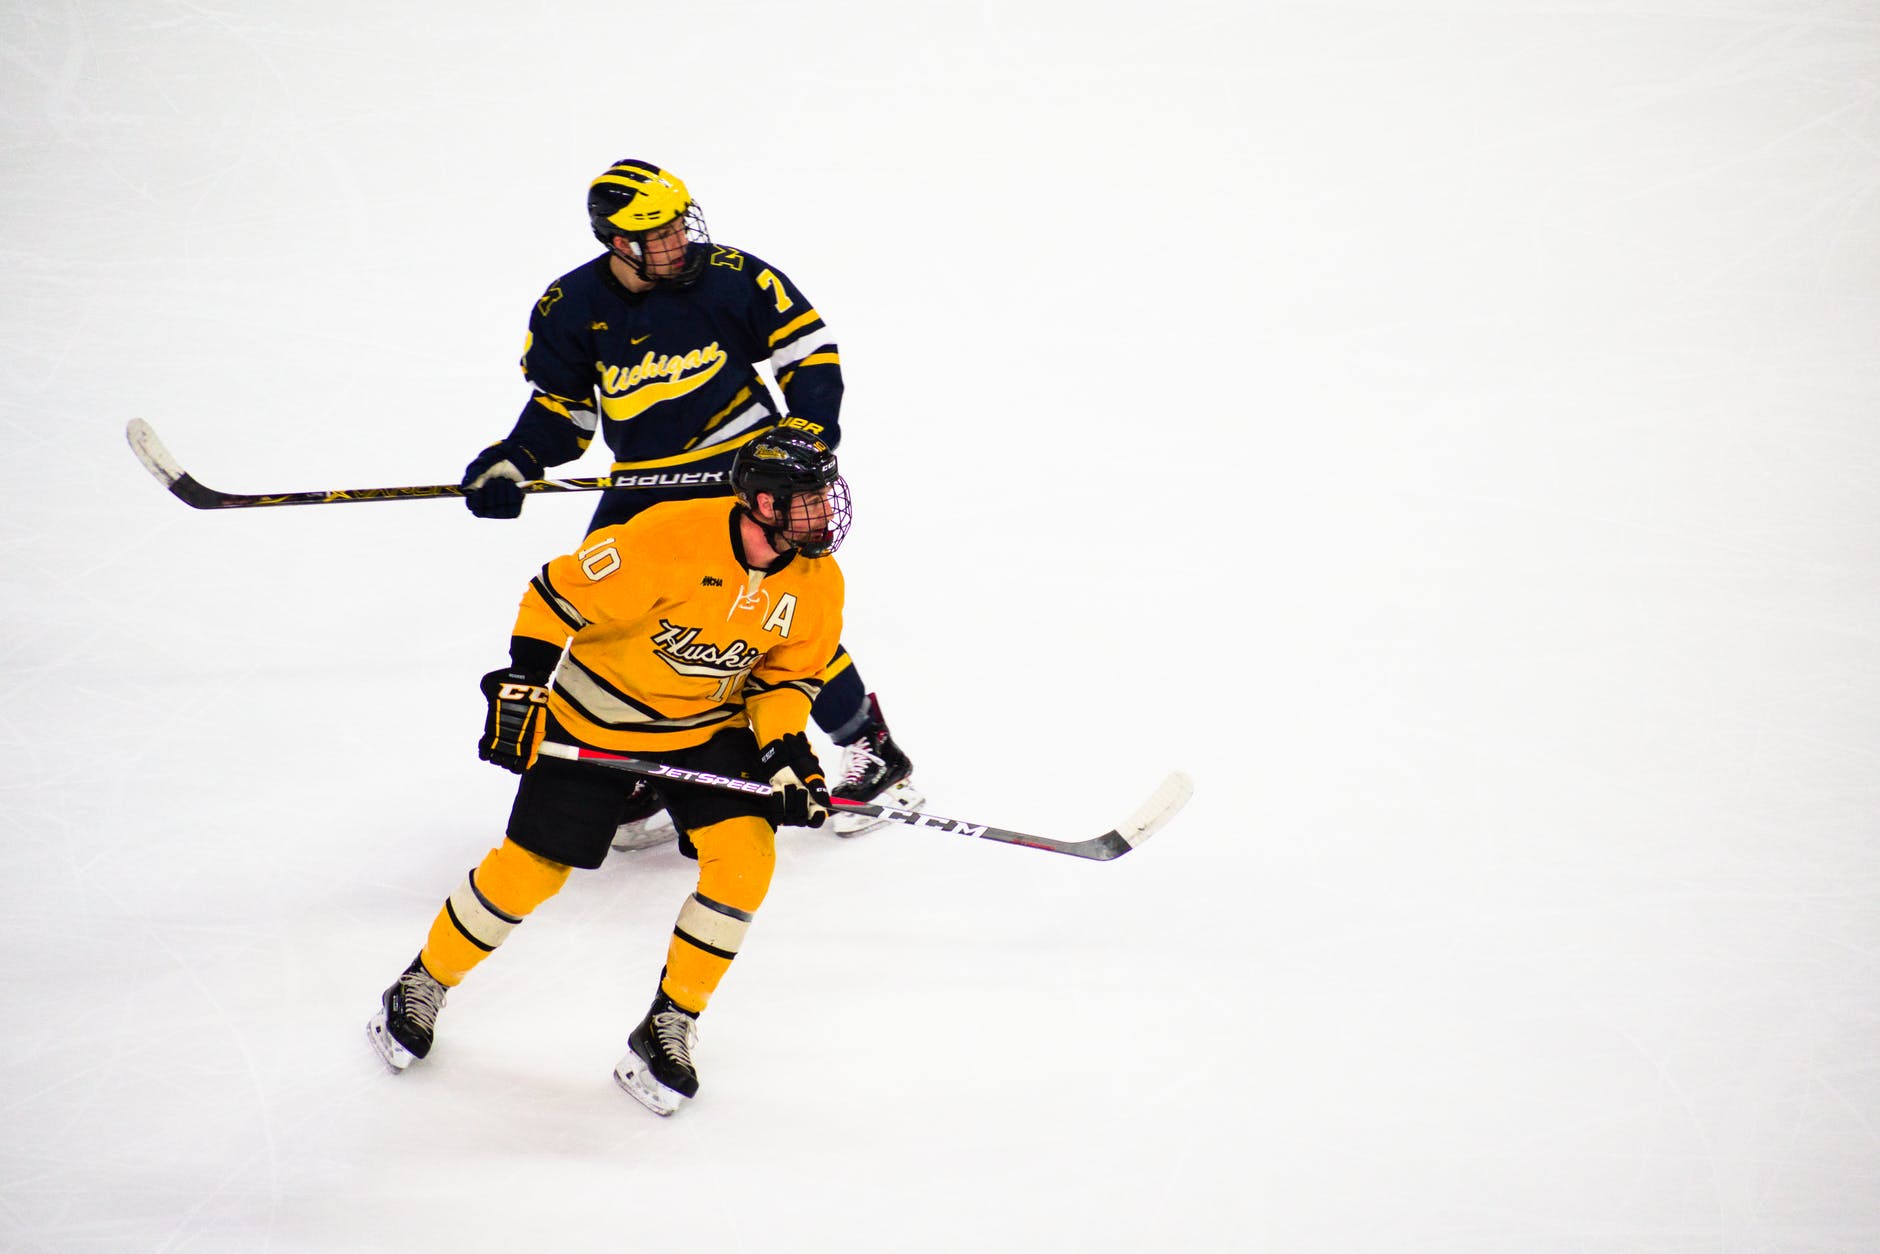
(841, 510)
(697, 248)
(793, 468)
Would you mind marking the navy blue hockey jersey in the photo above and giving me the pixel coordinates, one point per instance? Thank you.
(668, 378)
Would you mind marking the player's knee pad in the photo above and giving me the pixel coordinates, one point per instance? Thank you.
(485, 908)
(500, 893)
(515, 881)
(735, 860)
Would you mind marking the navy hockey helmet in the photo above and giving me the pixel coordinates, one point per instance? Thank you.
(634, 199)
(799, 471)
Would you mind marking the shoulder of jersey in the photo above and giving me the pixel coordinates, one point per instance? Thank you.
(729, 263)
(669, 516)
(577, 289)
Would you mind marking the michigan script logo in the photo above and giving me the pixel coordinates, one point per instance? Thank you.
(630, 390)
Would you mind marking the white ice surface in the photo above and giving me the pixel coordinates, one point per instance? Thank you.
(1450, 431)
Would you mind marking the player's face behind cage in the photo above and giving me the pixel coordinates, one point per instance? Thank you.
(670, 252)
(814, 521)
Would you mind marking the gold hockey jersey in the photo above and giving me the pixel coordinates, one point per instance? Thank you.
(674, 640)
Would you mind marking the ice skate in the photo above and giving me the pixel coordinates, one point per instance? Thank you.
(646, 822)
(874, 770)
(657, 1071)
(401, 1031)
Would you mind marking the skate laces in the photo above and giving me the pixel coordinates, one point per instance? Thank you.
(677, 1033)
(859, 761)
(420, 998)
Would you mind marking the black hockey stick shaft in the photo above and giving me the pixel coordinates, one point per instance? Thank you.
(1167, 799)
(170, 473)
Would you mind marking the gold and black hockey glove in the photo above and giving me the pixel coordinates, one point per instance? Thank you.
(513, 725)
(802, 793)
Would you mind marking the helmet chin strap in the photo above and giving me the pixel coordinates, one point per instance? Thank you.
(778, 540)
(636, 259)
(781, 544)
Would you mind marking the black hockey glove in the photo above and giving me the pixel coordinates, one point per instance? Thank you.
(802, 793)
(490, 482)
(513, 725)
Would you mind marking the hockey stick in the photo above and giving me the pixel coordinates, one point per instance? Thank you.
(170, 474)
(1161, 806)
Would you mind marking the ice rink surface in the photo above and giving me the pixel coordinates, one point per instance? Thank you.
(1449, 431)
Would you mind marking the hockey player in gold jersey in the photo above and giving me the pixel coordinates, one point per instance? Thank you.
(696, 633)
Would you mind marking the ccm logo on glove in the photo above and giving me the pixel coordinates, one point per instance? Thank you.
(802, 793)
(513, 724)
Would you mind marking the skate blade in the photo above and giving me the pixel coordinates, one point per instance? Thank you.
(901, 796)
(394, 1055)
(639, 1083)
(644, 834)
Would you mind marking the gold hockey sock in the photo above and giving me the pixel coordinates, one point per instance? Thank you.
(735, 861)
(486, 907)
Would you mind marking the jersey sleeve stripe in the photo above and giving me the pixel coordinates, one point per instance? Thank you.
(791, 327)
(811, 688)
(790, 354)
(563, 609)
(582, 416)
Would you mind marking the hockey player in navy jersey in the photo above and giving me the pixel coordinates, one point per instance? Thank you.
(654, 345)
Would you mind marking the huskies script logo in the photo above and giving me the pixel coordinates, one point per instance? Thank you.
(679, 648)
(630, 390)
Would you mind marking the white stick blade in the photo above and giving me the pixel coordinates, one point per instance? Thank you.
(151, 453)
(1162, 805)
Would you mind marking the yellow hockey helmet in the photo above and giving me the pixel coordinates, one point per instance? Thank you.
(632, 198)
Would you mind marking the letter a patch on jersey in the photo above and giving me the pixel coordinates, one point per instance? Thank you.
(782, 616)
